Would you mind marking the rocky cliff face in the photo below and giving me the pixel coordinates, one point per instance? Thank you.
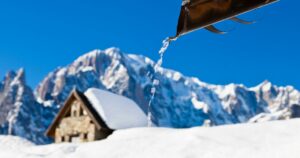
(179, 102)
(20, 114)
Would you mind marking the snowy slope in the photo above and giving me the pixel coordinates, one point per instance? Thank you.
(263, 140)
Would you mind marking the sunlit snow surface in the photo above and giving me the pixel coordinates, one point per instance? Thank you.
(117, 112)
(277, 139)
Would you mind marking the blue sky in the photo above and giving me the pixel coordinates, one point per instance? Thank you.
(42, 35)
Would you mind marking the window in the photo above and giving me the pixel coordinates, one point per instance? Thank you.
(62, 139)
(75, 107)
(85, 136)
(81, 111)
(74, 113)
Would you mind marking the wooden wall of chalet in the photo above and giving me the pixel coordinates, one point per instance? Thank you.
(77, 126)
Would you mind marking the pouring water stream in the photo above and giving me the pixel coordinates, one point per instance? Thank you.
(155, 82)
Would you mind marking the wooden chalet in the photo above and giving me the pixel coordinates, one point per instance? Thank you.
(80, 121)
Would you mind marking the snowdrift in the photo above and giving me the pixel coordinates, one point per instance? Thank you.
(263, 140)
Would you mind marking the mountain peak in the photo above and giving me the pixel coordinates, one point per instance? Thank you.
(113, 52)
(113, 49)
(21, 74)
(109, 51)
(91, 57)
(15, 77)
(265, 86)
(10, 75)
(265, 82)
(19, 77)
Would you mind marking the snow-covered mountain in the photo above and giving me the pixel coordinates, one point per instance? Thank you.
(179, 102)
(20, 114)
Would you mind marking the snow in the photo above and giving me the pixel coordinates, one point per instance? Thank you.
(200, 105)
(87, 68)
(276, 139)
(264, 117)
(62, 72)
(11, 146)
(138, 61)
(12, 117)
(176, 76)
(117, 111)
(88, 55)
(118, 71)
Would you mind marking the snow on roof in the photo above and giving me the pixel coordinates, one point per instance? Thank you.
(117, 112)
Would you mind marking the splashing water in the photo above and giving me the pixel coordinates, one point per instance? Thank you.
(155, 82)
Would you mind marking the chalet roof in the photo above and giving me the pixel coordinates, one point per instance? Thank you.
(107, 110)
(118, 112)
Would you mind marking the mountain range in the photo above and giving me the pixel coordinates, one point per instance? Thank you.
(179, 102)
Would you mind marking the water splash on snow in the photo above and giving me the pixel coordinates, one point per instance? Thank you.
(155, 82)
